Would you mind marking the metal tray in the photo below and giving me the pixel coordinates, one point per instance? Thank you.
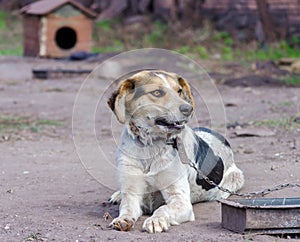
(262, 215)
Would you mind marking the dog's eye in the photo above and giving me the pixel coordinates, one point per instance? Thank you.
(179, 91)
(157, 93)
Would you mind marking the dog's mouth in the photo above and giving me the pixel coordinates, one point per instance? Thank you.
(177, 125)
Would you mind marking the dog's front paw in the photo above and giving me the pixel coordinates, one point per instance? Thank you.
(115, 198)
(155, 224)
(122, 223)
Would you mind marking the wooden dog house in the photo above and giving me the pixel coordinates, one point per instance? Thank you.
(56, 28)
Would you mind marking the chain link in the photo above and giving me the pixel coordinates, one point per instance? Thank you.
(249, 194)
(177, 144)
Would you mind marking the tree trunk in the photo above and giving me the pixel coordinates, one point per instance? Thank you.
(165, 9)
(268, 26)
(115, 8)
(190, 12)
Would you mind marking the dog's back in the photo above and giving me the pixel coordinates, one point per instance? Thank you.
(212, 154)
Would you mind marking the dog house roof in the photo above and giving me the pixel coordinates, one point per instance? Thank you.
(44, 7)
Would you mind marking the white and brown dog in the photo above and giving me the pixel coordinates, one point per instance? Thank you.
(154, 107)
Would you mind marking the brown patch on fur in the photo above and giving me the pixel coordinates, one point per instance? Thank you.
(134, 129)
(142, 83)
(186, 91)
(126, 85)
(111, 101)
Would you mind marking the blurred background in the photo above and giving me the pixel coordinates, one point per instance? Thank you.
(243, 30)
(249, 48)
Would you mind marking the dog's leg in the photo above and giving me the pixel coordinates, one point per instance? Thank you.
(178, 209)
(233, 181)
(115, 198)
(130, 211)
(132, 191)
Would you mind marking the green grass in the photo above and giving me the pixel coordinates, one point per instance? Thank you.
(202, 52)
(204, 43)
(106, 39)
(227, 53)
(184, 49)
(48, 122)
(12, 124)
(3, 25)
(222, 46)
(116, 46)
(11, 34)
(15, 51)
(106, 49)
(291, 80)
(223, 37)
(8, 123)
(194, 52)
(284, 122)
(271, 52)
(285, 104)
(104, 25)
(157, 35)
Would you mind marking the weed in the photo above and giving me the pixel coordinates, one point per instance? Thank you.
(158, 34)
(108, 49)
(34, 129)
(197, 51)
(184, 49)
(224, 37)
(202, 52)
(284, 122)
(279, 107)
(227, 53)
(3, 25)
(286, 104)
(113, 36)
(106, 38)
(10, 124)
(291, 80)
(48, 122)
(17, 51)
(294, 41)
(11, 34)
(272, 52)
(104, 25)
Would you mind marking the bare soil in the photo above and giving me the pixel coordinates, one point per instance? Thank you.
(47, 194)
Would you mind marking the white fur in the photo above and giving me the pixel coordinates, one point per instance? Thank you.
(151, 176)
(161, 76)
(161, 170)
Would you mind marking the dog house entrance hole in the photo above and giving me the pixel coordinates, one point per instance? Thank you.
(66, 38)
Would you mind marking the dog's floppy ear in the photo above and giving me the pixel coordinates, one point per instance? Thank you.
(186, 91)
(117, 100)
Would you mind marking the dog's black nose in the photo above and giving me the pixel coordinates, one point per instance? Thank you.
(186, 109)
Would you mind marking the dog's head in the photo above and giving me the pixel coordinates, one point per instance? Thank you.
(153, 103)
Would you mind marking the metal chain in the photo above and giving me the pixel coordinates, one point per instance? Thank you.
(249, 194)
(177, 144)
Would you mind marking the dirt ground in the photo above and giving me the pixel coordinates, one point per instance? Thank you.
(48, 195)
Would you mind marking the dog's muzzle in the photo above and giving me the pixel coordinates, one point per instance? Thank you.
(176, 125)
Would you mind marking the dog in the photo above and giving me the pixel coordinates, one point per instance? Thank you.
(155, 107)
